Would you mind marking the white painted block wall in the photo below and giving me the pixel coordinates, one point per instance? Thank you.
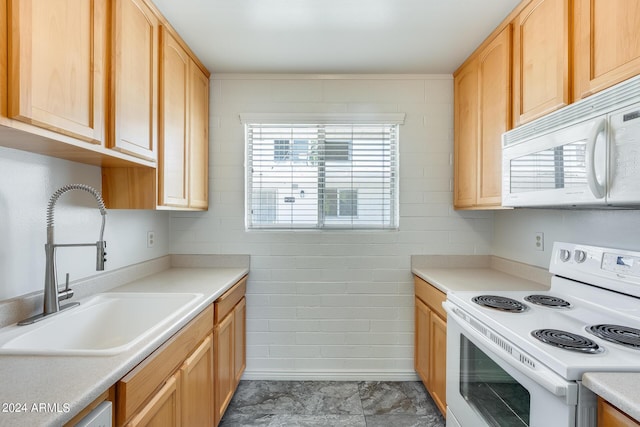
(515, 231)
(26, 183)
(329, 304)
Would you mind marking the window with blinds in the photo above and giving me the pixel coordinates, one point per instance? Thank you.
(322, 176)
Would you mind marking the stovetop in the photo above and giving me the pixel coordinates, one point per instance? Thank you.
(577, 306)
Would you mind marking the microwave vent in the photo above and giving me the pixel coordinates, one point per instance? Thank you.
(617, 96)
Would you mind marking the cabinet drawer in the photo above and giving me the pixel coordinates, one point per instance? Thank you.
(229, 299)
(140, 383)
(431, 296)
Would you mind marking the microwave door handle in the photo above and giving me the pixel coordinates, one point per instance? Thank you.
(595, 186)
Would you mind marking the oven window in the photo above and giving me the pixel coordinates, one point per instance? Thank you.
(489, 390)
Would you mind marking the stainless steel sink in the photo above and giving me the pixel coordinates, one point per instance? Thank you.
(107, 324)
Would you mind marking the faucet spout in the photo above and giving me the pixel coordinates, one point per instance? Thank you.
(52, 294)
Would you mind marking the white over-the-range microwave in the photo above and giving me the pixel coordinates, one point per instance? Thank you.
(585, 155)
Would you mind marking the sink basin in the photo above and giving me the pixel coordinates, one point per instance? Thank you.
(105, 325)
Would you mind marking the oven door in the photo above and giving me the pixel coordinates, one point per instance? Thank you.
(486, 388)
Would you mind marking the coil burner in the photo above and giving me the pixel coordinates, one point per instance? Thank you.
(548, 301)
(628, 337)
(567, 340)
(500, 303)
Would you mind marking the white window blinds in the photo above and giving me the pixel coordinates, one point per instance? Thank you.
(322, 175)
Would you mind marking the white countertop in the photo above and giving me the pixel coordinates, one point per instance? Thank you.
(479, 273)
(70, 383)
(621, 389)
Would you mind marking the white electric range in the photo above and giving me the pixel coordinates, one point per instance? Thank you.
(516, 358)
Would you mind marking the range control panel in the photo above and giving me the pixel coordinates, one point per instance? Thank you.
(623, 264)
(609, 268)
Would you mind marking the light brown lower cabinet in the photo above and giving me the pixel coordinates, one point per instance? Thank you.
(163, 409)
(610, 416)
(430, 343)
(197, 380)
(229, 342)
(186, 397)
(190, 379)
(160, 390)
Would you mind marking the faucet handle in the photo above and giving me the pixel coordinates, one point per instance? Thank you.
(68, 292)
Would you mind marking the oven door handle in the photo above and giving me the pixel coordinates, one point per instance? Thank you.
(541, 375)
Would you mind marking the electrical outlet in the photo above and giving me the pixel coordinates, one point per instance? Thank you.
(539, 241)
(151, 239)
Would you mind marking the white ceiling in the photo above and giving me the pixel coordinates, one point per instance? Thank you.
(334, 36)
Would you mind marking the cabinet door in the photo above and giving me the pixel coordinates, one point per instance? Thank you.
(610, 416)
(607, 44)
(173, 144)
(198, 139)
(163, 410)
(134, 80)
(57, 65)
(240, 340)
(494, 109)
(465, 135)
(541, 59)
(421, 341)
(197, 386)
(223, 345)
(438, 361)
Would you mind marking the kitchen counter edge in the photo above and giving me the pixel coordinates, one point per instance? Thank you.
(621, 389)
(76, 381)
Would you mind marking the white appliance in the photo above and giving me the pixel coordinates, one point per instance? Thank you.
(101, 416)
(516, 358)
(586, 154)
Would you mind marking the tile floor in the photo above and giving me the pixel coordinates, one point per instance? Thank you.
(331, 404)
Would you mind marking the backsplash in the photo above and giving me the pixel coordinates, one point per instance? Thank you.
(16, 309)
(515, 230)
(26, 183)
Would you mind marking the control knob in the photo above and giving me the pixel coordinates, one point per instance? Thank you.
(565, 255)
(580, 256)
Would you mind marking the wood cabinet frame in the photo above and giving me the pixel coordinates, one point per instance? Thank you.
(604, 56)
(610, 416)
(229, 341)
(77, 105)
(142, 383)
(430, 341)
(482, 112)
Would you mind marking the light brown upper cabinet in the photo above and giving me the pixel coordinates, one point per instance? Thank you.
(57, 73)
(182, 176)
(482, 99)
(198, 138)
(494, 107)
(182, 171)
(134, 81)
(541, 59)
(465, 123)
(174, 109)
(607, 44)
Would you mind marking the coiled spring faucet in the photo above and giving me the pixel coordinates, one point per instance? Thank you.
(52, 295)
